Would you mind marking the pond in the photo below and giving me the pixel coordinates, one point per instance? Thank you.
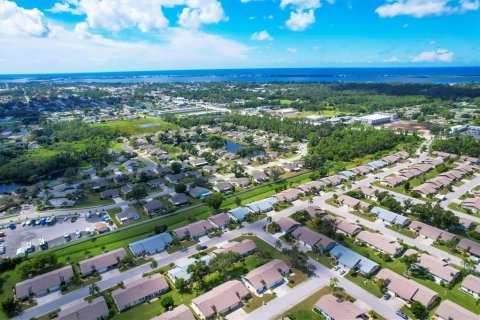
(233, 146)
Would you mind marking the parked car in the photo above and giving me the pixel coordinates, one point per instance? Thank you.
(66, 218)
(387, 296)
(402, 315)
(12, 226)
(74, 219)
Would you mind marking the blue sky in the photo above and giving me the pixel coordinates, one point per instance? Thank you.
(113, 35)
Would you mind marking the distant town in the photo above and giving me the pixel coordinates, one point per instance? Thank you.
(230, 200)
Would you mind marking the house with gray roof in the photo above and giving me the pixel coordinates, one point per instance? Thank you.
(151, 245)
(178, 199)
(43, 284)
(352, 260)
(127, 214)
(262, 206)
(154, 207)
(390, 217)
(199, 192)
(238, 214)
(102, 263)
(83, 310)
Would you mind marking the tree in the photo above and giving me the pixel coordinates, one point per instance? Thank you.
(278, 244)
(224, 262)
(180, 188)
(167, 302)
(9, 305)
(93, 289)
(419, 310)
(215, 200)
(154, 264)
(181, 285)
(137, 193)
(198, 271)
(333, 283)
(469, 264)
(410, 260)
(176, 167)
(159, 229)
(275, 173)
(238, 201)
(406, 186)
(299, 258)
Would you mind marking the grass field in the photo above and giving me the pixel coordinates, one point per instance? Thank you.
(138, 126)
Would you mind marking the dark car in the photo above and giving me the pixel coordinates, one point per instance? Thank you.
(402, 315)
(387, 296)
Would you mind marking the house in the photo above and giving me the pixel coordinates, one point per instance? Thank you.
(315, 186)
(156, 183)
(346, 175)
(353, 203)
(267, 276)
(288, 195)
(438, 268)
(199, 192)
(96, 309)
(406, 289)
(110, 193)
(312, 240)
(131, 165)
(431, 232)
(381, 243)
(465, 224)
(127, 214)
(238, 214)
(99, 184)
(200, 162)
(451, 311)
(472, 204)
(262, 206)
(173, 178)
(244, 248)
(259, 177)
(471, 285)
(361, 170)
(334, 180)
(154, 207)
(377, 164)
(352, 260)
(103, 262)
(180, 269)
(470, 247)
(369, 193)
(240, 182)
(151, 245)
(44, 283)
(390, 217)
(393, 181)
(344, 226)
(182, 312)
(222, 186)
(178, 199)
(220, 300)
(126, 189)
(333, 309)
(220, 220)
(210, 169)
(139, 290)
(287, 225)
(194, 230)
(314, 211)
(193, 174)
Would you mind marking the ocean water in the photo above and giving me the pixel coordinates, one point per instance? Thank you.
(415, 75)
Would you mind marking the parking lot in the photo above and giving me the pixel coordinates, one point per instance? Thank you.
(54, 234)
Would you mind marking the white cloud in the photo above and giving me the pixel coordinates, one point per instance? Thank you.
(422, 8)
(432, 42)
(292, 50)
(405, 25)
(17, 21)
(391, 59)
(261, 36)
(300, 20)
(301, 4)
(146, 15)
(316, 48)
(439, 55)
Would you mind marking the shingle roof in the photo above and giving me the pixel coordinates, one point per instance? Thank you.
(344, 310)
(267, 274)
(43, 282)
(472, 283)
(83, 310)
(139, 288)
(102, 261)
(241, 247)
(451, 311)
(182, 312)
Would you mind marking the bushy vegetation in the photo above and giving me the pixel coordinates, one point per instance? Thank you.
(465, 146)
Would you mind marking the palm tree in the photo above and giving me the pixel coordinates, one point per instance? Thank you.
(278, 244)
(469, 264)
(333, 283)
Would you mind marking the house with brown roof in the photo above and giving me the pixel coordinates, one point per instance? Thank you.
(406, 289)
(44, 283)
(452, 311)
(353, 203)
(220, 300)
(287, 224)
(244, 248)
(102, 263)
(472, 204)
(344, 226)
(381, 243)
(288, 195)
(439, 269)
(267, 276)
(431, 232)
(470, 247)
(194, 230)
(240, 182)
(369, 193)
(312, 240)
(219, 220)
(331, 308)
(182, 312)
(314, 211)
(393, 181)
(471, 285)
(139, 290)
(94, 310)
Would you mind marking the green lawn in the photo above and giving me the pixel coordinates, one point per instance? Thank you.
(92, 199)
(366, 284)
(406, 232)
(137, 126)
(257, 302)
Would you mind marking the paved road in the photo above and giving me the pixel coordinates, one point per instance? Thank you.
(152, 165)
